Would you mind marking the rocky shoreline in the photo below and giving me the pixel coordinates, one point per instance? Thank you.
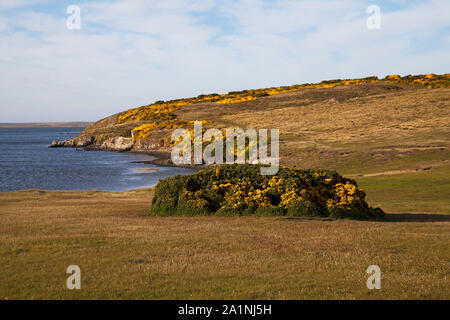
(122, 144)
(163, 159)
(90, 143)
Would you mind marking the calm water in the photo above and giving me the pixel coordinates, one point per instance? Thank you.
(26, 162)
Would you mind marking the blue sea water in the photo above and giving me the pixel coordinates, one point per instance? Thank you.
(26, 162)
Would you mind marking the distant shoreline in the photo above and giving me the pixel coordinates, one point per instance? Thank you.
(45, 125)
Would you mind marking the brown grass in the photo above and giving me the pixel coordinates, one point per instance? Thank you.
(123, 253)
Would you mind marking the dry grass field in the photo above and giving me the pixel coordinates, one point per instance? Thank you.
(125, 254)
(395, 144)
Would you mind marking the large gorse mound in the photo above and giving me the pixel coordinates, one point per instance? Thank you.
(242, 190)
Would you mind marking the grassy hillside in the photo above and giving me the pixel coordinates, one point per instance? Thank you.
(150, 126)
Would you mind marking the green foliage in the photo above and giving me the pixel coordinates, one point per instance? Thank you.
(331, 81)
(241, 190)
(306, 208)
(392, 88)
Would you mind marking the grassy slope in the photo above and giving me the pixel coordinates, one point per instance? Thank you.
(123, 253)
(395, 144)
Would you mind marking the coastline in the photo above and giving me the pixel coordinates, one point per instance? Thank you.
(163, 159)
(69, 124)
(59, 175)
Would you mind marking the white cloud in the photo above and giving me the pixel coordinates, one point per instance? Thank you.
(14, 4)
(133, 52)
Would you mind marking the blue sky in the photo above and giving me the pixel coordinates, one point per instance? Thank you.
(132, 52)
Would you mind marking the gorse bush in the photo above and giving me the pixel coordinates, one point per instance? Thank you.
(429, 80)
(242, 190)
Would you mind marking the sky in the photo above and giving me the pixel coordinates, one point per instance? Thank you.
(129, 53)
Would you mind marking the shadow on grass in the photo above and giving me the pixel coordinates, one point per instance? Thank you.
(416, 217)
(389, 217)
